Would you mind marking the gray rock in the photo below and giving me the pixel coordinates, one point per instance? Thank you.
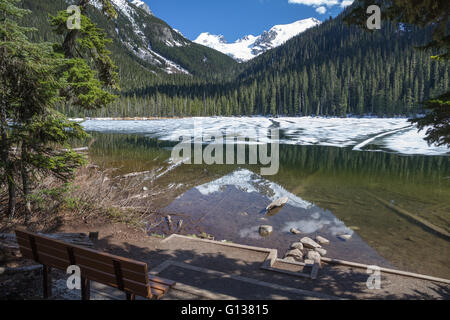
(295, 231)
(296, 254)
(289, 259)
(265, 230)
(313, 255)
(321, 251)
(277, 203)
(310, 243)
(345, 237)
(309, 262)
(297, 245)
(322, 240)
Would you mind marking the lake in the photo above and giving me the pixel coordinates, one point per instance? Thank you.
(342, 176)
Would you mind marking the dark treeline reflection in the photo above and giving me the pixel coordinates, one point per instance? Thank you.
(311, 159)
(300, 161)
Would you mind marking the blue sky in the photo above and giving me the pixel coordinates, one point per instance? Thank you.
(237, 18)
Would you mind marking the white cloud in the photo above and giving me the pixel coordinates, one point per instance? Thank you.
(315, 3)
(346, 3)
(321, 10)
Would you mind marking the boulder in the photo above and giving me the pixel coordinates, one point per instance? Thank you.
(277, 203)
(289, 259)
(313, 255)
(321, 251)
(295, 253)
(310, 243)
(297, 245)
(265, 230)
(322, 240)
(295, 231)
(309, 262)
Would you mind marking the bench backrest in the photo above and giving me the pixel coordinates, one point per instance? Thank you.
(124, 274)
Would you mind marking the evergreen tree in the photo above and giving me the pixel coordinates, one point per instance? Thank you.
(421, 13)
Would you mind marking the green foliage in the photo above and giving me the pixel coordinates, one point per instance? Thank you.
(34, 79)
(421, 13)
(436, 121)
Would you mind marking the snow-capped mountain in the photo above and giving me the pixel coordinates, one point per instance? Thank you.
(251, 46)
(143, 5)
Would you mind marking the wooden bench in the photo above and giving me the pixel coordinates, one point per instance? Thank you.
(127, 275)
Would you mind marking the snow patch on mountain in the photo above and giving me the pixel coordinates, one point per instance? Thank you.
(251, 46)
(142, 47)
(142, 5)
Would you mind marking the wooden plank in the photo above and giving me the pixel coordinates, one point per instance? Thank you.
(46, 260)
(107, 268)
(159, 286)
(50, 251)
(163, 281)
(156, 293)
(385, 270)
(42, 240)
(127, 264)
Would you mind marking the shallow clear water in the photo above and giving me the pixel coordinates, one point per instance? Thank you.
(333, 183)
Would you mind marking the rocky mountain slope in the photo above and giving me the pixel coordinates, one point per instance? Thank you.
(138, 36)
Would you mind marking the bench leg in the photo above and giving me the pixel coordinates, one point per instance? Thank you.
(130, 296)
(85, 289)
(46, 281)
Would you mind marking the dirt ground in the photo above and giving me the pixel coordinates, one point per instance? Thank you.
(123, 240)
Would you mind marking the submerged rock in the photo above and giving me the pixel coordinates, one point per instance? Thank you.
(345, 237)
(265, 230)
(310, 243)
(322, 240)
(277, 203)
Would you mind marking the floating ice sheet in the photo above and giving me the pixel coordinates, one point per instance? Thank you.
(394, 134)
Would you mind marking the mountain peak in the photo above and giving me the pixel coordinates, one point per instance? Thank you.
(249, 47)
(208, 39)
(142, 5)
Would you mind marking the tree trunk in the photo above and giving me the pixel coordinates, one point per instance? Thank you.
(6, 161)
(26, 183)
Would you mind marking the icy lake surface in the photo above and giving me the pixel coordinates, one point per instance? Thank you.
(373, 134)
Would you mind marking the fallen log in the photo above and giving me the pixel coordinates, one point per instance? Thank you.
(416, 219)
